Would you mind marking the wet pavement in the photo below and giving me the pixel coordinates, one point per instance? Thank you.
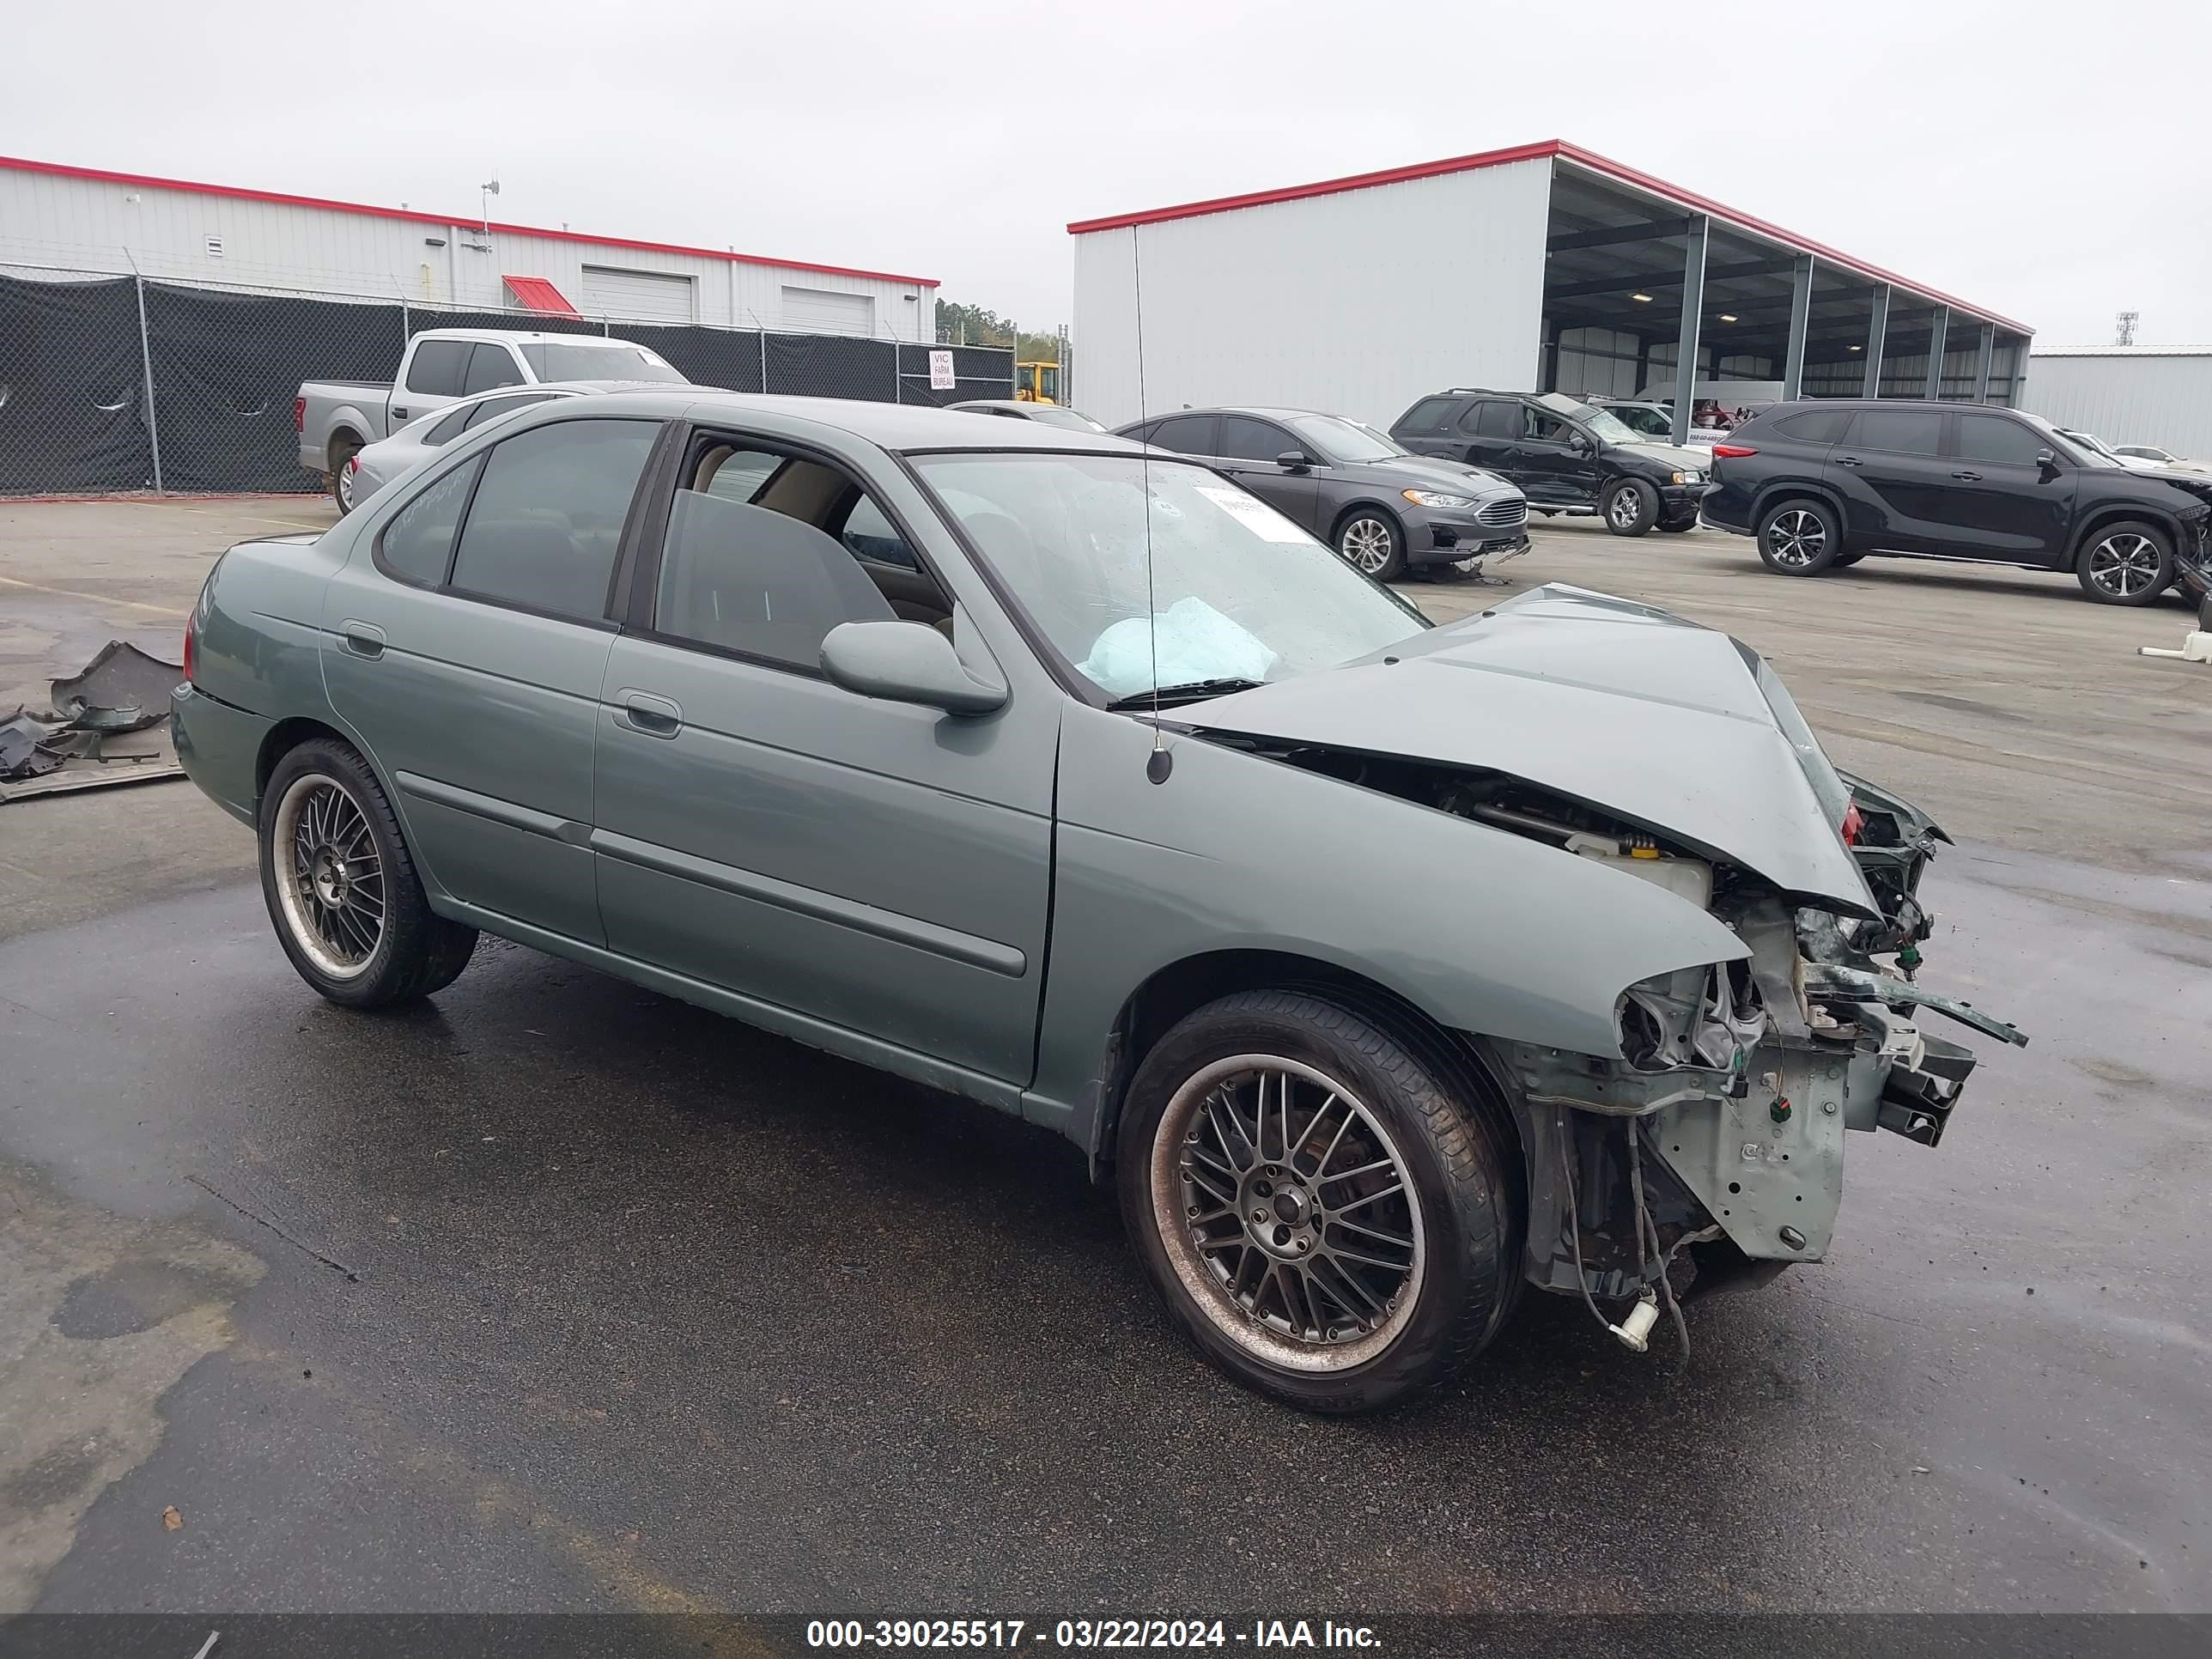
(557, 1293)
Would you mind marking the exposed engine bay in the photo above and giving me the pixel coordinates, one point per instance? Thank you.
(1709, 1149)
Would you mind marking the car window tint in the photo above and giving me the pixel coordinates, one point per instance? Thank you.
(1430, 414)
(869, 534)
(1244, 439)
(437, 367)
(490, 367)
(418, 542)
(1493, 419)
(548, 517)
(1993, 438)
(1816, 426)
(750, 580)
(448, 428)
(1899, 431)
(492, 408)
(1193, 435)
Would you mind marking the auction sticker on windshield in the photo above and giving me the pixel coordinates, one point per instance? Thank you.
(1261, 520)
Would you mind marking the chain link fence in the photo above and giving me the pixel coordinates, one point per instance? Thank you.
(111, 384)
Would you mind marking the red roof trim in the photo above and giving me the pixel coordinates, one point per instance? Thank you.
(1553, 149)
(538, 294)
(100, 175)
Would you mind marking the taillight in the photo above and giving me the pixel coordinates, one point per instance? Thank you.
(299, 414)
(1734, 451)
(192, 630)
(1852, 824)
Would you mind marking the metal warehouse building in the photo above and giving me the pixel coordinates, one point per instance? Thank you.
(79, 219)
(2143, 394)
(1543, 267)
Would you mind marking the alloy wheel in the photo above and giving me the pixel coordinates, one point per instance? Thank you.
(345, 487)
(1366, 543)
(1288, 1211)
(1625, 509)
(330, 877)
(1796, 538)
(2124, 565)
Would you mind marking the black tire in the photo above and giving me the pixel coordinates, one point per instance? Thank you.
(1799, 537)
(1629, 507)
(2130, 563)
(1369, 540)
(320, 903)
(342, 450)
(1449, 1143)
(1675, 529)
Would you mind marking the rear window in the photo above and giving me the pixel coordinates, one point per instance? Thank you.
(1899, 431)
(1815, 426)
(1430, 414)
(437, 367)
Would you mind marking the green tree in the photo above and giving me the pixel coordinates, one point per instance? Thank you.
(959, 324)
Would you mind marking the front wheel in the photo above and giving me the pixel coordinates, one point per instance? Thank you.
(1630, 507)
(341, 886)
(1370, 543)
(1329, 1217)
(2130, 563)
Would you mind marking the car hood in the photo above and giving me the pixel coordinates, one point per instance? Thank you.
(1420, 472)
(1669, 455)
(1634, 712)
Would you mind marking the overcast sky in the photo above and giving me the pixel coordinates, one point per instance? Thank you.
(2047, 161)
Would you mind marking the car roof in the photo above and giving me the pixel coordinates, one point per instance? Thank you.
(522, 335)
(973, 404)
(896, 427)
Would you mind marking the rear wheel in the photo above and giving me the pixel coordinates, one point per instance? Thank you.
(1799, 538)
(2128, 563)
(1326, 1213)
(340, 456)
(341, 887)
(1370, 542)
(1630, 507)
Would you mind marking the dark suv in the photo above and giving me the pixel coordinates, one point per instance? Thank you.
(1566, 456)
(1824, 484)
(1382, 509)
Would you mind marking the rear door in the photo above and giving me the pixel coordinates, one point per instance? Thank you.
(1897, 487)
(1246, 447)
(435, 370)
(879, 866)
(1488, 434)
(466, 642)
(2001, 504)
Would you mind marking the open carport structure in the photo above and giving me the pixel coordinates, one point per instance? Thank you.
(1544, 267)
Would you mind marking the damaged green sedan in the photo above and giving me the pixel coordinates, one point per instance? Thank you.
(1026, 765)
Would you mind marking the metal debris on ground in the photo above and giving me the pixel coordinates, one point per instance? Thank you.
(109, 724)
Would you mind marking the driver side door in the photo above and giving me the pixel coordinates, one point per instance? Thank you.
(1557, 463)
(1246, 449)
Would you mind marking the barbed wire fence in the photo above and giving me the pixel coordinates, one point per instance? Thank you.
(115, 382)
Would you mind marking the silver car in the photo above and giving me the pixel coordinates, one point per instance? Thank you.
(369, 469)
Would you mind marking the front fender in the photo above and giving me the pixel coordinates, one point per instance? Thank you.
(1483, 930)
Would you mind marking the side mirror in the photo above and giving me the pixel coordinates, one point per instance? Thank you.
(2045, 462)
(1296, 459)
(908, 662)
(1579, 443)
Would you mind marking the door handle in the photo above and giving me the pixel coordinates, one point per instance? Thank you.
(1971, 477)
(656, 717)
(1847, 460)
(398, 414)
(362, 639)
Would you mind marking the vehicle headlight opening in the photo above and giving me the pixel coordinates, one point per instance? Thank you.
(1435, 498)
(1689, 475)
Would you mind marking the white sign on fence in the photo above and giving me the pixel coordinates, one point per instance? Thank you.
(941, 377)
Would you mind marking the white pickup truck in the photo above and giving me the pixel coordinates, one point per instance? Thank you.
(335, 418)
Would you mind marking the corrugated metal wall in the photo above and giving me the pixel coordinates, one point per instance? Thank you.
(95, 225)
(2129, 399)
(1357, 303)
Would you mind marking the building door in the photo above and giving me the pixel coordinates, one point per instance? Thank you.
(647, 295)
(822, 311)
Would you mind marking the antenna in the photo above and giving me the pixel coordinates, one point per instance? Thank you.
(485, 191)
(2123, 331)
(1159, 763)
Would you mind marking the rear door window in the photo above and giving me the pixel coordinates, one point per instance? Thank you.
(492, 408)
(1816, 426)
(1494, 418)
(1899, 431)
(490, 367)
(417, 545)
(1191, 434)
(1430, 414)
(547, 520)
(1994, 439)
(437, 367)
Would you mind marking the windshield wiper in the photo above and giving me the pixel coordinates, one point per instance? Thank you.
(1190, 691)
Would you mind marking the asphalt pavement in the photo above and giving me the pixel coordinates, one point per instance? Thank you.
(554, 1293)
